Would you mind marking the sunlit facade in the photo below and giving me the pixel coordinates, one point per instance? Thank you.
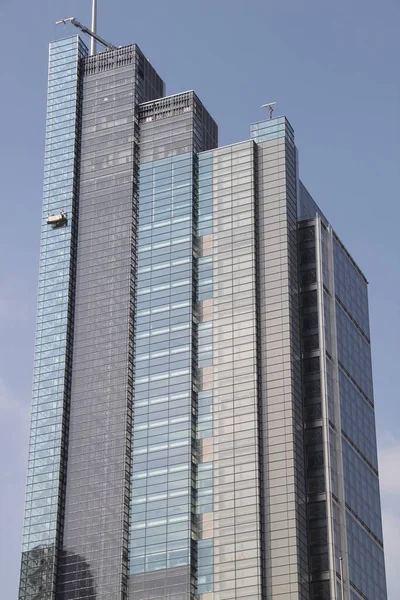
(203, 418)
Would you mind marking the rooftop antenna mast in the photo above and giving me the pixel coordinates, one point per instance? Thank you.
(94, 28)
(91, 32)
(270, 106)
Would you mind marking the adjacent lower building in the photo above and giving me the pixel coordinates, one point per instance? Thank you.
(203, 415)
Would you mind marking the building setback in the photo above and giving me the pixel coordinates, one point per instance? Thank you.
(203, 416)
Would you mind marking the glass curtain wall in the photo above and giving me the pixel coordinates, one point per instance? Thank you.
(360, 470)
(163, 484)
(51, 380)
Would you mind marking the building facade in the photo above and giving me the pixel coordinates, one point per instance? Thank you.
(203, 418)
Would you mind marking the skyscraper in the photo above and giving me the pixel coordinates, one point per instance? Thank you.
(203, 418)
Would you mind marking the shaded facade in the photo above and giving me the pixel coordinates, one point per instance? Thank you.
(203, 416)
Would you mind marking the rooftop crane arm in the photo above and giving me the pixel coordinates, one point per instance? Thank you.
(88, 31)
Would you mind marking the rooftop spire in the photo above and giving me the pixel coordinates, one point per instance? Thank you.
(94, 28)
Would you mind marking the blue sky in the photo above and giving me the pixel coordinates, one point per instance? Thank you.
(332, 67)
